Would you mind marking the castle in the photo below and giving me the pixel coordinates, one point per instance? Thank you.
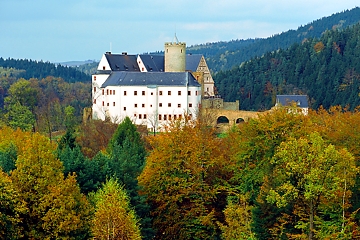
(151, 89)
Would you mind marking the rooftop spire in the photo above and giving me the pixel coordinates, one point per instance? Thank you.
(175, 39)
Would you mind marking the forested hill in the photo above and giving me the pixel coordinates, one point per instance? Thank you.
(327, 69)
(39, 69)
(225, 55)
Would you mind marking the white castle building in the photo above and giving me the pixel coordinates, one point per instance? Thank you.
(150, 89)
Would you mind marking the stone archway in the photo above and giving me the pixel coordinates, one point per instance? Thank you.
(239, 120)
(222, 120)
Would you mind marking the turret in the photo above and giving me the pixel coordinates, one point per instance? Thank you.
(175, 55)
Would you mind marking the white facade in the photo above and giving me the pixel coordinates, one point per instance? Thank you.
(151, 105)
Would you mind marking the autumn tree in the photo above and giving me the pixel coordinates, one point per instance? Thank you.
(310, 174)
(183, 180)
(113, 217)
(55, 208)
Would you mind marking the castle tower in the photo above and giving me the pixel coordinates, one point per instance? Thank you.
(175, 55)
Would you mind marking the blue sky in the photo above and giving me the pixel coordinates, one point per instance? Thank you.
(67, 30)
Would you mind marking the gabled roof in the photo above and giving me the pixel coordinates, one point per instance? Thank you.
(192, 62)
(286, 100)
(122, 62)
(153, 63)
(120, 78)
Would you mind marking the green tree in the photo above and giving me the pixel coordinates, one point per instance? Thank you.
(316, 178)
(113, 217)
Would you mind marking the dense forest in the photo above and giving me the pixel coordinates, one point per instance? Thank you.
(282, 175)
(226, 55)
(327, 69)
(40, 69)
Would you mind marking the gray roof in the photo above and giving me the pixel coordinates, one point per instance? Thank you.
(122, 62)
(286, 100)
(192, 62)
(119, 78)
(153, 63)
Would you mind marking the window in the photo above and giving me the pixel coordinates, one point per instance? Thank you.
(179, 105)
(107, 104)
(114, 104)
(180, 116)
(169, 117)
(143, 93)
(114, 92)
(140, 116)
(103, 103)
(142, 69)
(160, 104)
(135, 93)
(110, 92)
(150, 105)
(159, 116)
(160, 93)
(189, 93)
(134, 114)
(144, 116)
(94, 78)
(190, 104)
(169, 104)
(124, 108)
(124, 93)
(152, 93)
(143, 105)
(94, 101)
(103, 67)
(135, 105)
(196, 93)
(169, 93)
(103, 92)
(179, 93)
(94, 89)
(174, 116)
(107, 91)
(164, 117)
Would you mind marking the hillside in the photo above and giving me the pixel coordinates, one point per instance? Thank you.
(39, 69)
(327, 69)
(225, 55)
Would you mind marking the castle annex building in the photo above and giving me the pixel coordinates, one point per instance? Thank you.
(150, 89)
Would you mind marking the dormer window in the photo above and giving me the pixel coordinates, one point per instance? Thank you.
(103, 67)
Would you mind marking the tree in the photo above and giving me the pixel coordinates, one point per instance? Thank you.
(113, 217)
(184, 181)
(55, 208)
(311, 174)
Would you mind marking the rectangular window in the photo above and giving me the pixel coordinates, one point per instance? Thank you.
(169, 104)
(124, 93)
(164, 117)
(110, 92)
(196, 93)
(179, 105)
(169, 117)
(152, 93)
(143, 93)
(94, 89)
(103, 103)
(144, 116)
(135, 105)
(180, 116)
(174, 116)
(190, 104)
(103, 92)
(159, 116)
(114, 92)
(114, 104)
(134, 114)
(94, 101)
(160, 93)
(179, 93)
(107, 91)
(135, 93)
(169, 93)
(143, 105)
(140, 116)
(160, 104)
(124, 108)
(94, 78)
(107, 104)
(189, 93)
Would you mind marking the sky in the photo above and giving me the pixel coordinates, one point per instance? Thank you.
(76, 30)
